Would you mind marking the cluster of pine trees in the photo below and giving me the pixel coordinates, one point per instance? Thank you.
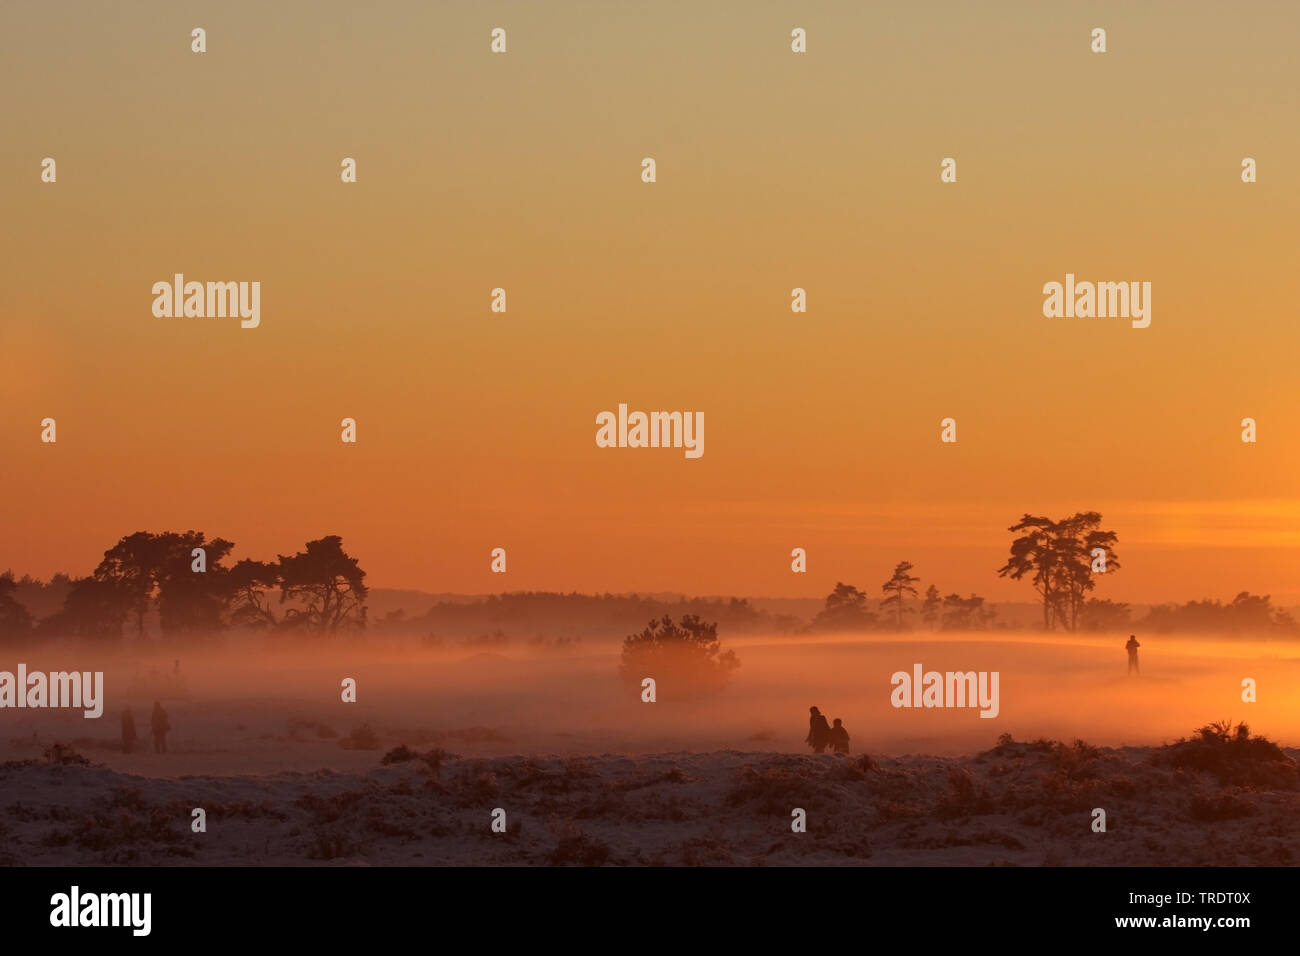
(849, 609)
(181, 580)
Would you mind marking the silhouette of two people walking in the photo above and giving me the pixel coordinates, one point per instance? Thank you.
(1132, 648)
(158, 723)
(821, 735)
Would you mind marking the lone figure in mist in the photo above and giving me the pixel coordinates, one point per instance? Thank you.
(128, 731)
(819, 732)
(160, 725)
(839, 738)
(1132, 648)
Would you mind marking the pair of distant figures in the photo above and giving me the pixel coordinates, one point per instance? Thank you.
(822, 735)
(158, 723)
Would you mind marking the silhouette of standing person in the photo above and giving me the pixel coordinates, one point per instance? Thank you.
(160, 725)
(1132, 648)
(819, 732)
(128, 731)
(839, 738)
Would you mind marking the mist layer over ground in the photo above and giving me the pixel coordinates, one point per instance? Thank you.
(250, 709)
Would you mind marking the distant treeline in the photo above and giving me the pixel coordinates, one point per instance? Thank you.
(847, 610)
(179, 580)
(529, 614)
(1064, 560)
(178, 585)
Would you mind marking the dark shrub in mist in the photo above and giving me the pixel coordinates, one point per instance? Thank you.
(1233, 757)
(683, 658)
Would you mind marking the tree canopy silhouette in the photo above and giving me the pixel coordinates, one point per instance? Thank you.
(899, 584)
(329, 583)
(248, 583)
(966, 614)
(930, 607)
(682, 658)
(322, 589)
(92, 608)
(146, 569)
(15, 621)
(1058, 558)
(1103, 615)
(845, 610)
(1246, 613)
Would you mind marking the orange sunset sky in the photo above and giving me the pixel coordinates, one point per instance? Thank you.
(775, 170)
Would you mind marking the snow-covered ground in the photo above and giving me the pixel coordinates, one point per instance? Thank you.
(1018, 803)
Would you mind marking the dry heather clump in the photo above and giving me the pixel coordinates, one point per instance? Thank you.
(658, 806)
(475, 784)
(56, 754)
(579, 768)
(774, 789)
(64, 756)
(965, 798)
(333, 808)
(605, 803)
(889, 810)
(576, 774)
(1233, 757)
(330, 843)
(1009, 747)
(122, 828)
(1076, 759)
(1226, 805)
(436, 757)
(641, 781)
(403, 754)
(245, 809)
(847, 770)
(399, 754)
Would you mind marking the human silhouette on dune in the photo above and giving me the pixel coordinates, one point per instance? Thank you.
(819, 732)
(1132, 648)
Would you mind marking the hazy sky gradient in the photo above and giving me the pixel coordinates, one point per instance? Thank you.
(775, 170)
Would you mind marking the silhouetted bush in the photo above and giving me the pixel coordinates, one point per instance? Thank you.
(684, 658)
(399, 754)
(1233, 756)
(65, 756)
(773, 789)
